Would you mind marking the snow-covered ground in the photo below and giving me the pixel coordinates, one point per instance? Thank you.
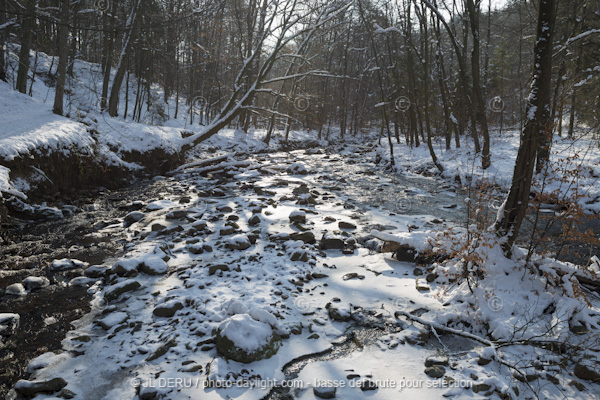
(574, 168)
(29, 128)
(264, 254)
(267, 258)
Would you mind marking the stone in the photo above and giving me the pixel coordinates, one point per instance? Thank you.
(585, 372)
(483, 361)
(330, 242)
(9, 323)
(227, 230)
(32, 283)
(133, 217)
(436, 360)
(66, 394)
(32, 388)
(403, 252)
(96, 271)
(241, 338)
(254, 220)
(306, 237)
(113, 319)
(213, 269)
(327, 392)
(158, 227)
(346, 225)
(350, 275)
(435, 371)
(422, 285)
(177, 214)
(125, 267)
(302, 189)
(482, 387)
(162, 349)
(16, 289)
(153, 266)
(367, 385)
(114, 291)
(196, 248)
(66, 264)
(298, 216)
(340, 314)
(578, 385)
(300, 256)
(239, 242)
(168, 309)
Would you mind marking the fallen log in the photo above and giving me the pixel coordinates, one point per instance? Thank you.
(200, 163)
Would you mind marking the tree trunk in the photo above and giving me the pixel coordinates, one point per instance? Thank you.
(27, 24)
(2, 40)
(63, 57)
(474, 13)
(537, 125)
(113, 103)
(106, 58)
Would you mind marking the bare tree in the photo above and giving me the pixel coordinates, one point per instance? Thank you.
(536, 127)
(113, 103)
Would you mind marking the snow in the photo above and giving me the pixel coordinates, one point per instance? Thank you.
(46, 360)
(113, 319)
(66, 264)
(574, 165)
(246, 333)
(261, 291)
(29, 125)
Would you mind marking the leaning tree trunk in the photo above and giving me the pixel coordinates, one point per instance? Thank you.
(63, 57)
(536, 127)
(113, 103)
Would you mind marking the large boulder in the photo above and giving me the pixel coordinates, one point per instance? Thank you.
(241, 338)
